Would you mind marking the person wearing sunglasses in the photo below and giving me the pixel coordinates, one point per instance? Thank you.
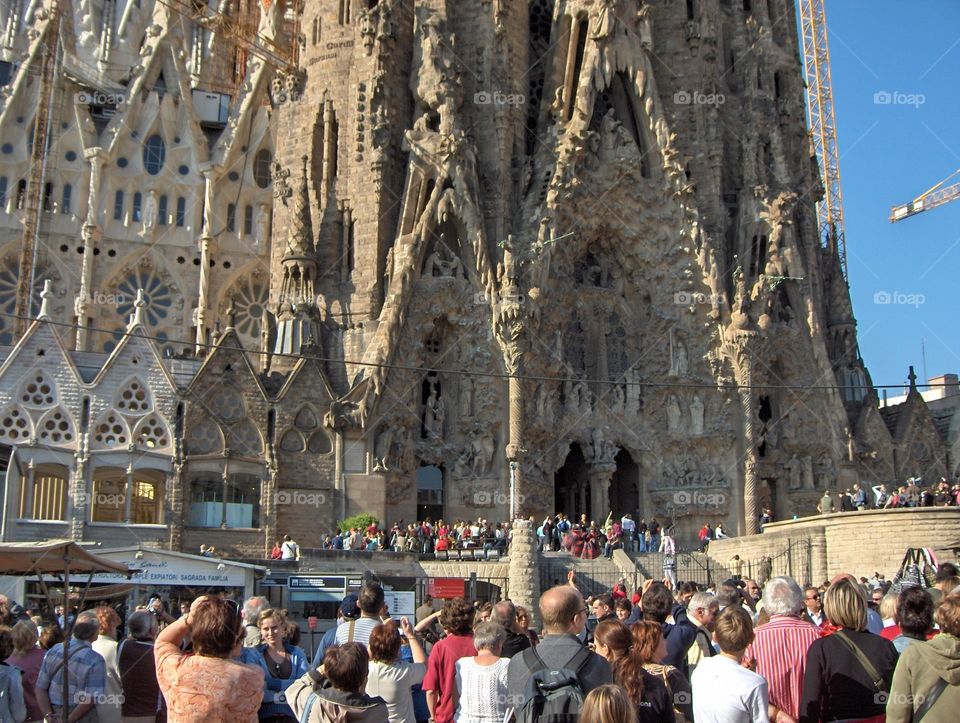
(814, 607)
(208, 684)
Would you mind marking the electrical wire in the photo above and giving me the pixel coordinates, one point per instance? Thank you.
(466, 372)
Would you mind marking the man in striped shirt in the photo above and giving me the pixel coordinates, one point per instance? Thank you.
(780, 646)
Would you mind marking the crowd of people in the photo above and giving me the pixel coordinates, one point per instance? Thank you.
(735, 652)
(912, 493)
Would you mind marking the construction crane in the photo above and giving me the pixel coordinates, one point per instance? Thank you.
(239, 31)
(823, 124)
(36, 180)
(931, 198)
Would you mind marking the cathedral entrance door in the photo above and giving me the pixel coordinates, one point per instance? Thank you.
(572, 485)
(625, 486)
(429, 493)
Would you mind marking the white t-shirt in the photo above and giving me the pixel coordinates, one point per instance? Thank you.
(362, 628)
(483, 691)
(725, 692)
(392, 683)
(289, 550)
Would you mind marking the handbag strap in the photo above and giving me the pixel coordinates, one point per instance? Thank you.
(353, 624)
(877, 679)
(929, 699)
(305, 716)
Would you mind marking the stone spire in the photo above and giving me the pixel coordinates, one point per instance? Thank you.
(136, 318)
(300, 243)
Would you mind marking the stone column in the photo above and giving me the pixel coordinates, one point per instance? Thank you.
(601, 475)
(742, 350)
(524, 585)
(175, 507)
(206, 242)
(91, 234)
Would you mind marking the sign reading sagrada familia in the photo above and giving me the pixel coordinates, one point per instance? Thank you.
(423, 259)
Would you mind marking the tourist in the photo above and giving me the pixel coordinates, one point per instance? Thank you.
(289, 550)
(826, 506)
(886, 608)
(648, 693)
(338, 694)
(482, 679)
(928, 674)
(281, 662)
(669, 550)
(701, 615)
(623, 609)
(347, 611)
(371, 604)
(28, 658)
(607, 704)
(651, 648)
(780, 646)
(814, 608)
(251, 611)
(914, 617)
(138, 673)
(51, 635)
(208, 684)
(12, 700)
(86, 671)
(108, 709)
(629, 528)
(516, 640)
(391, 678)
(456, 619)
(563, 614)
(523, 623)
(721, 532)
(657, 604)
(724, 691)
(276, 553)
(836, 684)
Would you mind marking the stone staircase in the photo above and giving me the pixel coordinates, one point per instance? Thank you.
(592, 576)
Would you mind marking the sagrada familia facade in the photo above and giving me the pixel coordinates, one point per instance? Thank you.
(420, 258)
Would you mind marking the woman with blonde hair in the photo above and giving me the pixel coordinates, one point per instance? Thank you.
(849, 671)
(28, 658)
(613, 641)
(281, 662)
(607, 704)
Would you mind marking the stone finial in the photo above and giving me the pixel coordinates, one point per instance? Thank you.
(231, 316)
(913, 380)
(139, 304)
(300, 242)
(45, 297)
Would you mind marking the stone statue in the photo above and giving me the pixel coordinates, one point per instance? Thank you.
(807, 468)
(794, 473)
(596, 447)
(825, 472)
(442, 262)
(696, 416)
(462, 467)
(582, 395)
(382, 450)
(434, 414)
(673, 414)
(678, 357)
(617, 399)
(466, 396)
(149, 212)
(610, 130)
(483, 447)
(606, 19)
(263, 224)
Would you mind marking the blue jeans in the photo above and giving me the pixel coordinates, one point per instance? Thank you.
(642, 541)
(654, 543)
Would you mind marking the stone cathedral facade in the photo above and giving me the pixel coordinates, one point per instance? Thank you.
(457, 259)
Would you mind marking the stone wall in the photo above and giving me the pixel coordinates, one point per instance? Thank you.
(856, 542)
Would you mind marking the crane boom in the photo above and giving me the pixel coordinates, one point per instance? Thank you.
(936, 196)
(823, 124)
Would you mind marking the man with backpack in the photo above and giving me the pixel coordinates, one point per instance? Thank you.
(550, 681)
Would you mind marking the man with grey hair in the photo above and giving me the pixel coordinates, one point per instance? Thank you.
(87, 674)
(505, 615)
(702, 613)
(138, 672)
(780, 646)
(251, 609)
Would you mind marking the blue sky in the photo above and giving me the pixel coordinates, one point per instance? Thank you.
(891, 153)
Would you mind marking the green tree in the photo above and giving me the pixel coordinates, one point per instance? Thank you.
(361, 521)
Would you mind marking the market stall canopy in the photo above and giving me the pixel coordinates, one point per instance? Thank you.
(55, 557)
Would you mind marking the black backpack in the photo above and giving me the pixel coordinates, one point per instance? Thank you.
(552, 695)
